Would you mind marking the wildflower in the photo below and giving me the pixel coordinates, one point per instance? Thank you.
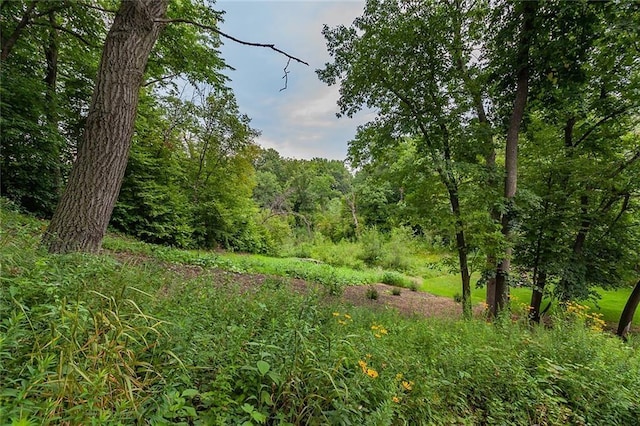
(396, 399)
(399, 376)
(407, 385)
(347, 316)
(342, 322)
(363, 365)
(336, 314)
(372, 373)
(377, 335)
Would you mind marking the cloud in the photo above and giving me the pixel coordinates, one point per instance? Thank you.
(299, 122)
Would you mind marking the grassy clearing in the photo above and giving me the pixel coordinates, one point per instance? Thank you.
(92, 340)
(609, 305)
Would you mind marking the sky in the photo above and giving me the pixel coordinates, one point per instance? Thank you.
(299, 122)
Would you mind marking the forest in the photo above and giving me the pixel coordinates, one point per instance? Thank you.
(159, 266)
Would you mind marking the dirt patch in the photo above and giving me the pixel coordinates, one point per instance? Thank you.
(409, 303)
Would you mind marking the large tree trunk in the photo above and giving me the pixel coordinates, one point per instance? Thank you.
(511, 153)
(629, 311)
(82, 215)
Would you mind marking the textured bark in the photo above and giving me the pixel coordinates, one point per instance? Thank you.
(629, 311)
(82, 215)
(511, 152)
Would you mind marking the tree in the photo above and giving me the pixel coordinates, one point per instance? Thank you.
(403, 58)
(628, 312)
(82, 215)
(580, 153)
(47, 78)
(524, 12)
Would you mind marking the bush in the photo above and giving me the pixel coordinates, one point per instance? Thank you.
(396, 279)
(372, 247)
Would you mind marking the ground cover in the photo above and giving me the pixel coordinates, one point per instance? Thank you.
(128, 337)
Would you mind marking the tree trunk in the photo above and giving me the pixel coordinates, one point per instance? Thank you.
(50, 79)
(629, 311)
(511, 153)
(7, 43)
(82, 215)
(461, 247)
(536, 297)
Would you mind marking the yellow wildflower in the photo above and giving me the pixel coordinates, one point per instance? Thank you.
(377, 335)
(363, 365)
(336, 314)
(347, 316)
(372, 373)
(407, 385)
(396, 399)
(399, 376)
(342, 322)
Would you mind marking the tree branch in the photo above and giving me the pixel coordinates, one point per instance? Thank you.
(217, 31)
(157, 80)
(599, 123)
(101, 9)
(286, 75)
(68, 31)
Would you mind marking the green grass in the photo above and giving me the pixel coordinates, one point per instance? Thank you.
(88, 339)
(610, 304)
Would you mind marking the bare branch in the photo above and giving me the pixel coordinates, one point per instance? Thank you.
(286, 75)
(217, 31)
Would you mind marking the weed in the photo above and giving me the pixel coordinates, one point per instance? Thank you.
(372, 293)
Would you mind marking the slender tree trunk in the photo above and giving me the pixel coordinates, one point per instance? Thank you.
(7, 43)
(511, 154)
(461, 247)
(536, 297)
(50, 79)
(82, 215)
(629, 311)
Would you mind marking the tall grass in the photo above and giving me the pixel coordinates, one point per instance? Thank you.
(94, 340)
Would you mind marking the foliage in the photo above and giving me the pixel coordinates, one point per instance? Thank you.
(272, 355)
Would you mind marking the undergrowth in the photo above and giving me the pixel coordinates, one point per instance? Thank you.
(93, 340)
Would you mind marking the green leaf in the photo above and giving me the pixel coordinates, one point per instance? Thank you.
(190, 393)
(265, 397)
(263, 367)
(258, 417)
